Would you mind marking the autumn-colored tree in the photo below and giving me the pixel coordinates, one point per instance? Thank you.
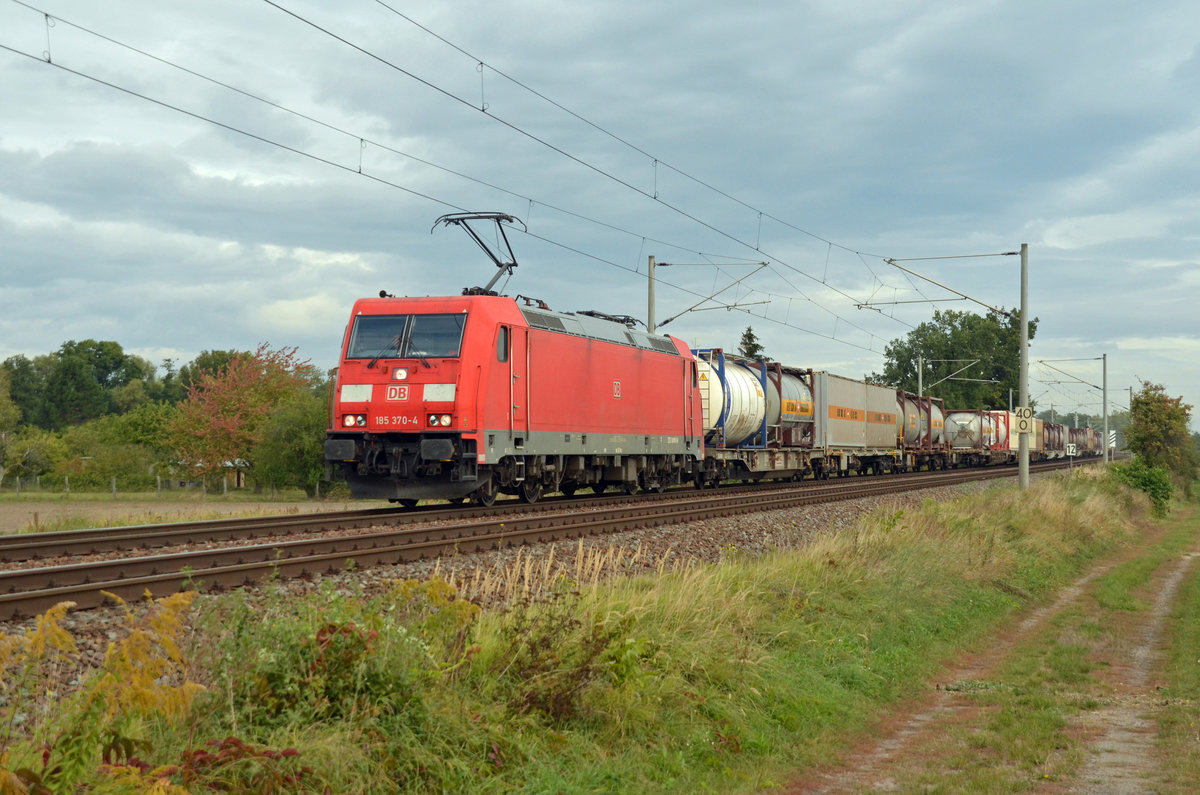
(226, 412)
(1159, 434)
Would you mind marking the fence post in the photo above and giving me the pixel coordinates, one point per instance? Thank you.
(114, 486)
(67, 483)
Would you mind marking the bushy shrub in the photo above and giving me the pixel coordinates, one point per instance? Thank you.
(1155, 481)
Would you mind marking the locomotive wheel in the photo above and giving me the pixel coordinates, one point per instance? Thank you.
(485, 495)
(531, 490)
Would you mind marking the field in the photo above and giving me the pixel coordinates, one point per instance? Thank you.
(62, 513)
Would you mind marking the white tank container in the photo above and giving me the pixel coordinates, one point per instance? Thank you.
(965, 429)
(741, 396)
(939, 424)
(916, 423)
(797, 402)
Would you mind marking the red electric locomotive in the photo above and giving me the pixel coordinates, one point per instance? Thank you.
(472, 395)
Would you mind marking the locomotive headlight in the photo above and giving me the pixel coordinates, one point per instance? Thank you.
(348, 420)
(445, 420)
(439, 420)
(355, 420)
(433, 420)
(400, 373)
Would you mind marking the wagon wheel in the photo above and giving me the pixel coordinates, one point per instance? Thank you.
(485, 495)
(598, 488)
(531, 490)
(568, 489)
(630, 486)
(407, 503)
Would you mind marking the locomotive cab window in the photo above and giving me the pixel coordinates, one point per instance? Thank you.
(436, 336)
(502, 344)
(377, 336)
(406, 336)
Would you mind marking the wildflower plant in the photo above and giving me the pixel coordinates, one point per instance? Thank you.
(143, 679)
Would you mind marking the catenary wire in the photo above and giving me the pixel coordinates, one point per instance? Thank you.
(385, 147)
(367, 175)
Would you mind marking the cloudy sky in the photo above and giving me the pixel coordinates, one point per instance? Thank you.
(181, 176)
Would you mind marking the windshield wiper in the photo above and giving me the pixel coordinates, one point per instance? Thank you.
(394, 345)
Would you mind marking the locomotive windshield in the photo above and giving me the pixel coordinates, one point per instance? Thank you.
(406, 336)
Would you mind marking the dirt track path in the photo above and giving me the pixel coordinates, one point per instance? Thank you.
(1118, 737)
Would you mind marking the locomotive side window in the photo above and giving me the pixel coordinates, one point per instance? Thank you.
(377, 336)
(436, 335)
(502, 345)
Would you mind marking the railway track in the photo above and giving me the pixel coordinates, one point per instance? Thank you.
(33, 587)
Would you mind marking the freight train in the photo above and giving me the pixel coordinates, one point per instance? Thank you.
(471, 396)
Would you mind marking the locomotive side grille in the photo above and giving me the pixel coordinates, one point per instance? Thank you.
(661, 344)
(538, 320)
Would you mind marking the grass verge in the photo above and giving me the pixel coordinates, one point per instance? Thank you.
(732, 677)
(1179, 720)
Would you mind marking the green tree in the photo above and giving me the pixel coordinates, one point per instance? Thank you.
(749, 346)
(291, 452)
(29, 452)
(1158, 433)
(79, 382)
(106, 360)
(27, 385)
(73, 395)
(131, 447)
(169, 389)
(10, 415)
(947, 346)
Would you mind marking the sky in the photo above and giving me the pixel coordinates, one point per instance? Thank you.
(180, 176)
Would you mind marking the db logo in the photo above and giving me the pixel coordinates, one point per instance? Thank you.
(397, 393)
